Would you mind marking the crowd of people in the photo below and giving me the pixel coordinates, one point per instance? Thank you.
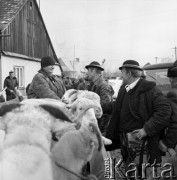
(142, 121)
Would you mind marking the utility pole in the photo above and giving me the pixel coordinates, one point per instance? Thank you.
(156, 59)
(74, 61)
(175, 48)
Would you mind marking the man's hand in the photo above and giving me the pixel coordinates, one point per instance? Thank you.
(162, 146)
(140, 133)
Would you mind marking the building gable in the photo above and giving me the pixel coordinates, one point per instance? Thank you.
(22, 21)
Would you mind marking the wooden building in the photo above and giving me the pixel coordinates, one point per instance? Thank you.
(23, 41)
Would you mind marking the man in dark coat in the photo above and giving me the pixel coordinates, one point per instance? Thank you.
(169, 141)
(140, 112)
(11, 85)
(99, 86)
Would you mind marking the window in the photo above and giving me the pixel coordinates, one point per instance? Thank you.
(19, 74)
(31, 5)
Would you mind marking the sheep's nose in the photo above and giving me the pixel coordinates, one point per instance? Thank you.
(65, 101)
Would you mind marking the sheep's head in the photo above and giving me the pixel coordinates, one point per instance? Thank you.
(70, 96)
(41, 114)
(84, 107)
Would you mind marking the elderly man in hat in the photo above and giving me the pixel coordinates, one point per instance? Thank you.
(139, 113)
(100, 87)
(169, 141)
(11, 85)
(44, 83)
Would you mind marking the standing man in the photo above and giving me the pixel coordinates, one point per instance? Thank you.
(44, 83)
(100, 87)
(169, 141)
(11, 85)
(139, 113)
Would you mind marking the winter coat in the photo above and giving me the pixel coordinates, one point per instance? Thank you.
(10, 83)
(149, 107)
(170, 138)
(103, 90)
(44, 86)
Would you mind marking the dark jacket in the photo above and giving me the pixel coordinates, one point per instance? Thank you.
(10, 84)
(103, 90)
(44, 86)
(148, 106)
(170, 139)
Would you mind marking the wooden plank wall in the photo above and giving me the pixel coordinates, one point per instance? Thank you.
(28, 36)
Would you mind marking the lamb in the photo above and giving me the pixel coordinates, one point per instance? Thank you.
(26, 151)
(73, 150)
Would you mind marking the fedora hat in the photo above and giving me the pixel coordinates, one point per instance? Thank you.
(94, 64)
(131, 64)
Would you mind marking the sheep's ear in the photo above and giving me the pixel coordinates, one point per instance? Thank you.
(8, 107)
(56, 112)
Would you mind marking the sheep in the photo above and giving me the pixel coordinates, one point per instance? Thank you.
(71, 95)
(73, 150)
(82, 105)
(26, 150)
(85, 103)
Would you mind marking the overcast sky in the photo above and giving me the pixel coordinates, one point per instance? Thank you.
(115, 30)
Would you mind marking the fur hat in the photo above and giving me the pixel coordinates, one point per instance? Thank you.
(47, 61)
(131, 64)
(95, 64)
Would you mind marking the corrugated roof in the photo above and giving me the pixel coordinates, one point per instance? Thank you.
(8, 10)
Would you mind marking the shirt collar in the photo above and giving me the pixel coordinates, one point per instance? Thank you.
(132, 85)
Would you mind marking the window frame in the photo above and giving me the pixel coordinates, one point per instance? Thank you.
(19, 74)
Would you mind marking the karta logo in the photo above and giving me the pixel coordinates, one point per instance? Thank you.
(115, 170)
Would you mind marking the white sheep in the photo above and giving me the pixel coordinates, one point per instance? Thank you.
(71, 95)
(84, 103)
(74, 150)
(26, 151)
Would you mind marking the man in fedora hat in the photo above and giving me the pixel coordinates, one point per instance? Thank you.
(100, 87)
(139, 113)
(11, 85)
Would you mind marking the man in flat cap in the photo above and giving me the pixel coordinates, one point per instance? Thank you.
(11, 85)
(139, 113)
(100, 87)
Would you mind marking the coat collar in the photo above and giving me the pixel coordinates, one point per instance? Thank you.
(98, 80)
(143, 86)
